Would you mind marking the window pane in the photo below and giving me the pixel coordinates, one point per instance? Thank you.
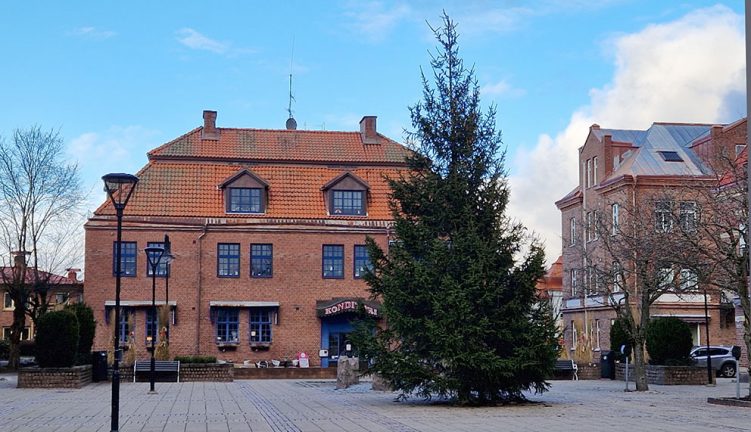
(152, 324)
(261, 260)
(362, 261)
(333, 261)
(348, 202)
(161, 268)
(128, 252)
(228, 260)
(260, 325)
(227, 323)
(245, 200)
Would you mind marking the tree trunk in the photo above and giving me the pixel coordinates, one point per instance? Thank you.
(19, 323)
(640, 369)
(746, 308)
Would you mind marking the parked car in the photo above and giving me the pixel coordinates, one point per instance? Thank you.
(723, 361)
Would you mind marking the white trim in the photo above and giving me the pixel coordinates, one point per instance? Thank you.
(136, 303)
(230, 303)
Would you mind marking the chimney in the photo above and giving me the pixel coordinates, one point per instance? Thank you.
(73, 274)
(607, 146)
(19, 258)
(716, 131)
(368, 130)
(209, 132)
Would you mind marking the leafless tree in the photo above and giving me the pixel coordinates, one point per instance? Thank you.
(40, 200)
(631, 256)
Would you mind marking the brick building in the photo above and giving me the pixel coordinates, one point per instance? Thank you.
(620, 168)
(268, 229)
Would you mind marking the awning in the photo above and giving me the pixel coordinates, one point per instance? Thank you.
(338, 306)
(242, 304)
(138, 303)
(691, 319)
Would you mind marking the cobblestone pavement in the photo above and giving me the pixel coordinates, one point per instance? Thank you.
(295, 405)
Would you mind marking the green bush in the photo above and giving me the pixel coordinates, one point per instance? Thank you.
(28, 348)
(86, 330)
(619, 337)
(668, 341)
(4, 349)
(57, 339)
(195, 359)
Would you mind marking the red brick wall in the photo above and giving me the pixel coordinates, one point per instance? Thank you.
(296, 283)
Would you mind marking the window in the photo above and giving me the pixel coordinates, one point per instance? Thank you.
(687, 216)
(227, 323)
(260, 325)
(574, 283)
(124, 329)
(594, 170)
(596, 224)
(670, 156)
(663, 216)
(362, 261)
(572, 231)
(617, 277)
(739, 148)
(25, 334)
(347, 202)
(597, 335)
(8, 301)
(127, 259)
(228, 260)
(689, 280)
(574, 335)
(665, 277)
(592, 233)
(589, 172)
(152, 325)
(61, 298)
(245, 200)
(615, 211)
(161, 268)
(591, 285)
(333, 261)
(261, 260)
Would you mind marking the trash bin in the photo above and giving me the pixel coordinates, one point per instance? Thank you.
(99, 366)
(607, 364)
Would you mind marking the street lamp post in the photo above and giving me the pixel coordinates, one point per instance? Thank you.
(119, 188)
(710, 372)
(154, 256)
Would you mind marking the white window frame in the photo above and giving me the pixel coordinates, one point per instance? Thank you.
(688, 215)
(594, 170)
(615, 216)
(589, 173)
(689, 280)
(6, 298)
(617, 277)
(663, 216)
(666, 276)
(572, 231)
(574, 282)
(597, 335)
(574, 335)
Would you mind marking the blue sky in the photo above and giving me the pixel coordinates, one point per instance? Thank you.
(118, 79)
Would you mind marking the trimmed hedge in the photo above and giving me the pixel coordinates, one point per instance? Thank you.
(195, 359)
(57, 339)
(619, 337)
(4, 349)
(669, 341)
(86, 329)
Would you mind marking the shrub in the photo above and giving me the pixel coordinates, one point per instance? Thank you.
(4, 349)
(57, 339)
(86, 329)
(668, 341)
(195, 359)
(619, 337)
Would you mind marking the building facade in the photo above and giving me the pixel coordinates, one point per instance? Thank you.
(268, 231)
(624, 173)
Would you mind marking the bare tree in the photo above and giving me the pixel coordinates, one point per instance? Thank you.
(632, 256)
(40, 200)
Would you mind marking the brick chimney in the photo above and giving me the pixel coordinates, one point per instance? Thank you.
(209, 132)
(368, 130)
(73, 274)
(607, 146)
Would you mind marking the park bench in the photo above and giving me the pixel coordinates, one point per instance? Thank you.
(162, 369)
(566, 366)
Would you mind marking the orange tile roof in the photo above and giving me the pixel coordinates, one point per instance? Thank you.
(283, 145)
(189, 189)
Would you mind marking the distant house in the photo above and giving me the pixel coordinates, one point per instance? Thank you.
(268, 229)
(550, 288)
(620, 168)
(62, 290)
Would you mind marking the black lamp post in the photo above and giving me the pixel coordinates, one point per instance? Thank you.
(168, 258)
(154, 256)
(119, 188)
(710, 372)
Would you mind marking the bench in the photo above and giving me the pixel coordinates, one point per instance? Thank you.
(567, 366)
(162, 368)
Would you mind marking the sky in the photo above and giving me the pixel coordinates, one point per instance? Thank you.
(117, 79)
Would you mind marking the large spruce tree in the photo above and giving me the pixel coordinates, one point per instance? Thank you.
(462, 315)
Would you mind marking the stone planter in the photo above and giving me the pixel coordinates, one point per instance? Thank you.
(214, 372)
(72, 377)
(666, 375)
(588, 371)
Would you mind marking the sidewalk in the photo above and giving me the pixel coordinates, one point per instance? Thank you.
(294, 405)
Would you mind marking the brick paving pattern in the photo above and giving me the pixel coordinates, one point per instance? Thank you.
(294, 405)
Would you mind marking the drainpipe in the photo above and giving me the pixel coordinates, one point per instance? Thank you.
(200, 288)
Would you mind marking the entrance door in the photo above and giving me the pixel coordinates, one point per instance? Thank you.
(334, 333)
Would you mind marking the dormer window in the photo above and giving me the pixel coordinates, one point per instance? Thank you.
(245, 192)
(245, 200)
(348, 202)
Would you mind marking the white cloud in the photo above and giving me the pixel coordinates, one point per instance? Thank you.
(688, 70)
(195, 40)
(500, 89)
(375, 20)
(92, 33)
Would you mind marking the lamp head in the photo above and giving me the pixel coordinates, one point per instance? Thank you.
(119, 187)
(154, 255)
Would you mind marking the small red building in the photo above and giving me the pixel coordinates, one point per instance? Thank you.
(268, 231)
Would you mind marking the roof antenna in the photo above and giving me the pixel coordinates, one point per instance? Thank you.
(291, 122)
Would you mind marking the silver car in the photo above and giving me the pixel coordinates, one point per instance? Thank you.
(723, 361)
